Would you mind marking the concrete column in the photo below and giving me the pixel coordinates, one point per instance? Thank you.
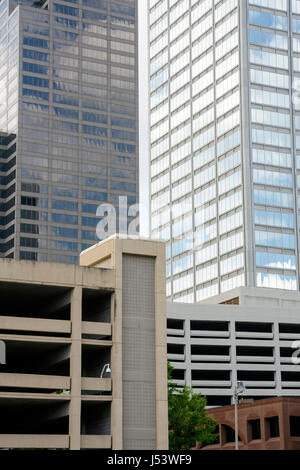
(116, 371)
(75, 369)
(277, 363)
(117, 349)
(161, 374)
(188, 359)
(233, 358)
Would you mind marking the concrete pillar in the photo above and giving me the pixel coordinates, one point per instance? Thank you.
(233, 358)
(75, 369)
(116, 371)
(277, 362)
(161, 373)
(188, 359)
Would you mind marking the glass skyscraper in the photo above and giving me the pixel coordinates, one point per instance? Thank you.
(225, 143)
(68, 122)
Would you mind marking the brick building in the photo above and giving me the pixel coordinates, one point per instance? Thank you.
(272, 424)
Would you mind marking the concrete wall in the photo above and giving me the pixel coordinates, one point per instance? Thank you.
(139, 426)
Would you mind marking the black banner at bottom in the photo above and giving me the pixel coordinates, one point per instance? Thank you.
(145, 460)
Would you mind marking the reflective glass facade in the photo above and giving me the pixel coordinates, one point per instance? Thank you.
(225, 119)
(68, 91)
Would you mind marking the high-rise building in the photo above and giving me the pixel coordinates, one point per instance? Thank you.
(69, 118)
(225, 143)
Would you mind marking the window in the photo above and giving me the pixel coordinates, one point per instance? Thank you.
(65, 10)
(35, 55)
(35, 81)
(295, 426)
(254, 429)
(272, 426)
(28, 255)
(29, 242)
(36, 42)
(229, 433)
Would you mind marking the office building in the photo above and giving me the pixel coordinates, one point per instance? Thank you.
(225, 143)
(68, 97)
(85, 350)
(247, 334)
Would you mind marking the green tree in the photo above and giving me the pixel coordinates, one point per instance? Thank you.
(189, 421)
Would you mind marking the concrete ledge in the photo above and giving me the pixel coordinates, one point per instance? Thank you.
(205, 358)
(35, 396)
(35, 324)
(36, 339)
(94, 328)
(96, 398)
(96, 384)
(56, 274)
(34, 381)
(95, 442)
(98, 342)
(35, 441)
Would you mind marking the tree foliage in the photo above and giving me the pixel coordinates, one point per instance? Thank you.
(189, 421)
